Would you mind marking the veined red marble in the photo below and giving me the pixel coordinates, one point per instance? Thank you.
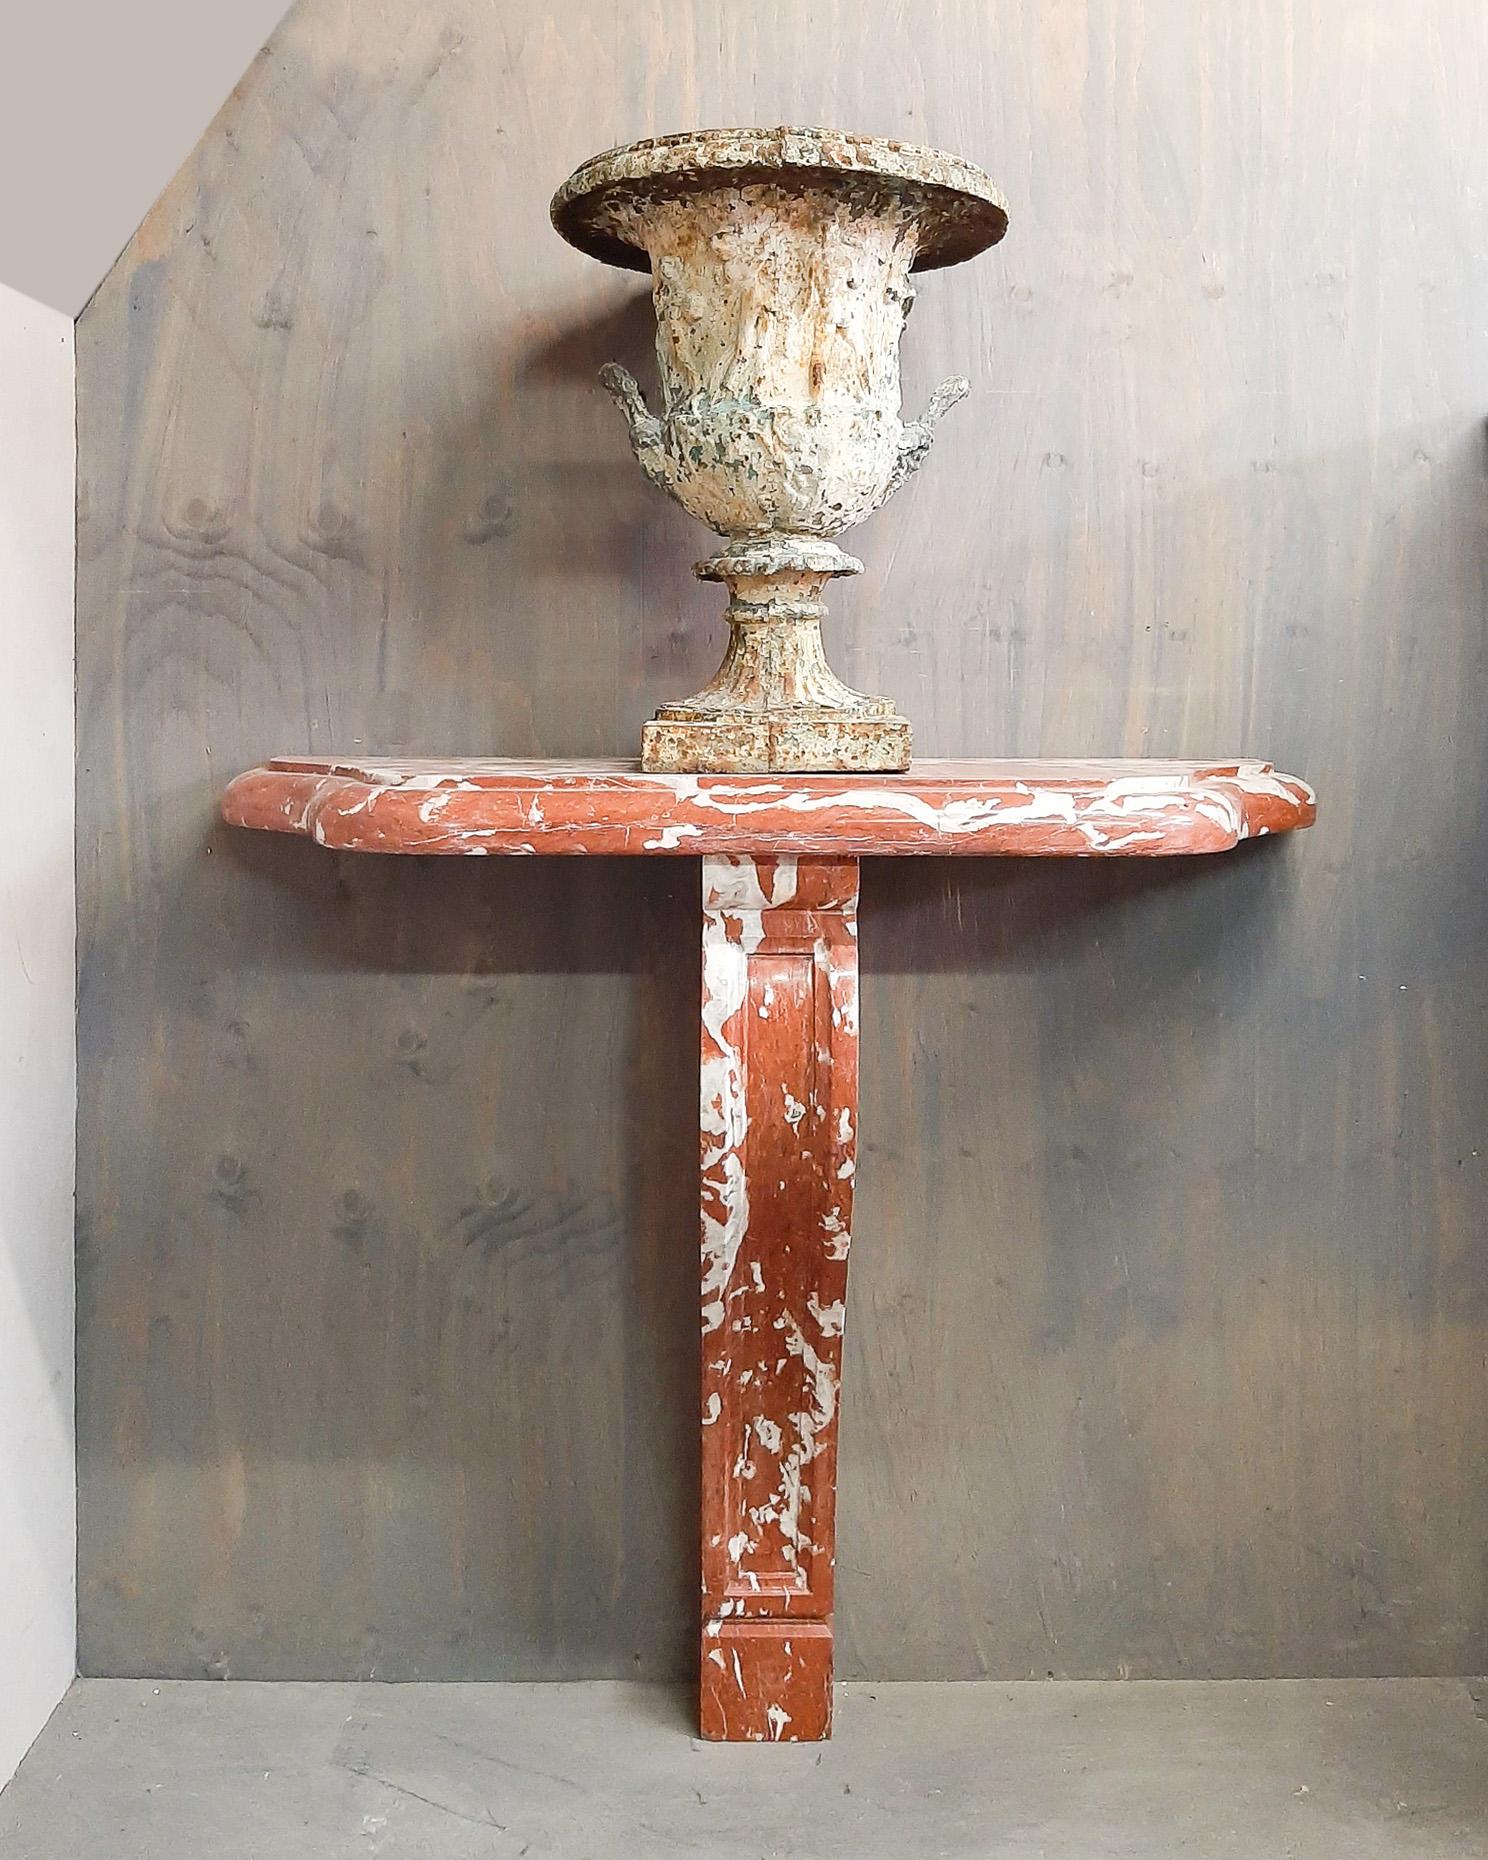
(779, 1147)
(779, 1082)
(1030, 808)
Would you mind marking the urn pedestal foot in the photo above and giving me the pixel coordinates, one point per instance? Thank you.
(779, 1109)
(775, 704)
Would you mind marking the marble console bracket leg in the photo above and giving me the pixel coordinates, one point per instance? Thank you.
(779, 1135)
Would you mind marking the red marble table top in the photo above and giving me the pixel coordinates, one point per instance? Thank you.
(1027, 808)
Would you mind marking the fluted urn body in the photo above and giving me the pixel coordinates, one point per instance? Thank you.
(780, 263)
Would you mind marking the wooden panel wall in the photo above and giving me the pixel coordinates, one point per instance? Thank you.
(1167, 1347)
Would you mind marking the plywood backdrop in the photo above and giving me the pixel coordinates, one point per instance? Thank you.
(1167, 1343)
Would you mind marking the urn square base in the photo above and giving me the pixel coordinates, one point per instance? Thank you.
(774, 744)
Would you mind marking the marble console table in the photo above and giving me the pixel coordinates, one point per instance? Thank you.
(779, 1074)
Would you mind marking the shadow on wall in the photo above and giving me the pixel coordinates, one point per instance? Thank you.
(528, 507)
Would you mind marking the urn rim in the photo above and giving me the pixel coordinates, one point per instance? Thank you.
(961, 213)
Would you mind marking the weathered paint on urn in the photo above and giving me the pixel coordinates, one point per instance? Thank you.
(781, 266)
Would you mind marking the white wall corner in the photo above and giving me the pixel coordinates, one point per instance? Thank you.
(38, 935)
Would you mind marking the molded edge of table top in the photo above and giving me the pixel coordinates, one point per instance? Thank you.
(1009, 808)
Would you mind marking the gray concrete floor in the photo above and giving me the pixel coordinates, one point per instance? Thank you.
(1280, 1770)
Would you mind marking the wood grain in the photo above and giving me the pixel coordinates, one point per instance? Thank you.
(1169, 1315)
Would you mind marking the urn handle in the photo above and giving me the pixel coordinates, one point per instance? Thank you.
(646, 438)
(920, 434)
